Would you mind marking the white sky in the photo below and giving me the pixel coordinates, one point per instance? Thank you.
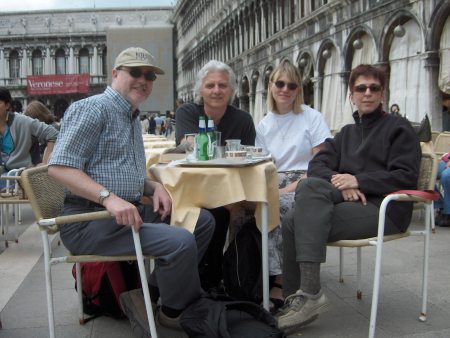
(27, 5)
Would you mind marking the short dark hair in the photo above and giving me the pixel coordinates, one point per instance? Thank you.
(16, 106)
(366, 70)
(5, 95)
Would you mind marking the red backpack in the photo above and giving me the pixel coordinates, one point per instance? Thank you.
(103, 282)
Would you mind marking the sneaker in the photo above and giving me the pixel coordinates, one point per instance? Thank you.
(133, 305)
(301, 309)
(171, 323)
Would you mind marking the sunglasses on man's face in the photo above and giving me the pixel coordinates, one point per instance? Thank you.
(136, 73)
(290, 85)
(374, 88)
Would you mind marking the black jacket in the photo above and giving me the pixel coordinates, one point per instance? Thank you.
(382, 151)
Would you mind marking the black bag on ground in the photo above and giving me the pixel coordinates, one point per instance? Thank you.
(242, 273)
(103, 282)
(220, 318)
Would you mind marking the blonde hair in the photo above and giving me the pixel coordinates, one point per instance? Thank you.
(37, 110)
(292, 72)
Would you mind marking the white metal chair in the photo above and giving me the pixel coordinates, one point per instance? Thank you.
(47, 198)
(442, 144)
(12, 195)
(427, 177)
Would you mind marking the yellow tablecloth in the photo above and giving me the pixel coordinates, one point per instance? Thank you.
(159, 139)
(152, 155)
(152, 137)
(194, 188)
(159, 144)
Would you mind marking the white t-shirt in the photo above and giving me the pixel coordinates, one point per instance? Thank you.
(290, 137)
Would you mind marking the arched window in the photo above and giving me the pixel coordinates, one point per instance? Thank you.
(83, 61)
(60, 61)
(37, 62)
(14, 65)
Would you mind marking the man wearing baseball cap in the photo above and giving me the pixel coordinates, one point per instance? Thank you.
(99, 157)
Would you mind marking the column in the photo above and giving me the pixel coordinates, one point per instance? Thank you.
(48, 61)
(317, 81)
(24, 68)
(71, 62)
(2, 64)
(94, 70)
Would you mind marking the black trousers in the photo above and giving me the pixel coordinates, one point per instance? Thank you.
(210, 267)
(320, 216)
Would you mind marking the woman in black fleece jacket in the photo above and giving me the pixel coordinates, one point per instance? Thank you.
(347, 180)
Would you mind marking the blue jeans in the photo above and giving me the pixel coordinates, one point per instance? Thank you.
(444, 176)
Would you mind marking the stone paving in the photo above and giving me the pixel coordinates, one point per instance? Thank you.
(24, 311)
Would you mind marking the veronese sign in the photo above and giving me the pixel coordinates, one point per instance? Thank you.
(58, 84)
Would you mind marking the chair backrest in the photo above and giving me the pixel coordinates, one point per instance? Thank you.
(442, 144)
(428, 171)
(45, 194)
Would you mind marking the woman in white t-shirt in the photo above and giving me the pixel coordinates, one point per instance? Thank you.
(292, 133)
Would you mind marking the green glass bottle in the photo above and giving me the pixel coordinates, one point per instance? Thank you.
(202, 140)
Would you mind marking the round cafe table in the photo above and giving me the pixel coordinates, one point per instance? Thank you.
(192, 188)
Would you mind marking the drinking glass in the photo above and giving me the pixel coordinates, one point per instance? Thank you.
(212, 146)
(233, 144)
(191, 148)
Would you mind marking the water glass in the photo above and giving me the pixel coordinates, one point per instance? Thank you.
(216, 139)
(233, 144)
(191, 148)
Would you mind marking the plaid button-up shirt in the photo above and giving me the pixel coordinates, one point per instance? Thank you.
(101, 136)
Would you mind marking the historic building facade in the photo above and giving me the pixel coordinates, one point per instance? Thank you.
(41, 48)
(325, 39)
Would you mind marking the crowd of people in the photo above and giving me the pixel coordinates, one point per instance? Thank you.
(330, 188)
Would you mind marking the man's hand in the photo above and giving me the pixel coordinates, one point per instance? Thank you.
(124, 212)
(353, 195)
(162, 203)
(344, 181)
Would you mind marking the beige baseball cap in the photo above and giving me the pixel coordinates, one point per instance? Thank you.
(136, 57)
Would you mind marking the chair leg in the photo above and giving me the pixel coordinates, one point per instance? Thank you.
(341, 265)
(79, 294)
(5, 211)
(16, 222)
(433, 223)
(48, 285)
(148, 304)
(19, 220)
(358, 272)
(429, 210)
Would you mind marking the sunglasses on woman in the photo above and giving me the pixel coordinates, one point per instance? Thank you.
(136, 73)
(290, 85)
(374, 88)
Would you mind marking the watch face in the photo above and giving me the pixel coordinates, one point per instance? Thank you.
(104, 193)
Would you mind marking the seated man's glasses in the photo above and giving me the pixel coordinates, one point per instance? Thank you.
(291, 86)
(137, 73)
(374, 88)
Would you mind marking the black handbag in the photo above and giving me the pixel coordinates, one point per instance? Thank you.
(423, 129)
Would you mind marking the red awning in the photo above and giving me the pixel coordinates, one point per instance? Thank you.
(58, 84)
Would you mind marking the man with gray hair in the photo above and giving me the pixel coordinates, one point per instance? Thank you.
(215, 88)
(100, 159)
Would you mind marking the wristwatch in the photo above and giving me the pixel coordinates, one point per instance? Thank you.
(102, 195)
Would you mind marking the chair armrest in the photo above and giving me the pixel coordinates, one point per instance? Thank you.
(89, 216)
(416, 195)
